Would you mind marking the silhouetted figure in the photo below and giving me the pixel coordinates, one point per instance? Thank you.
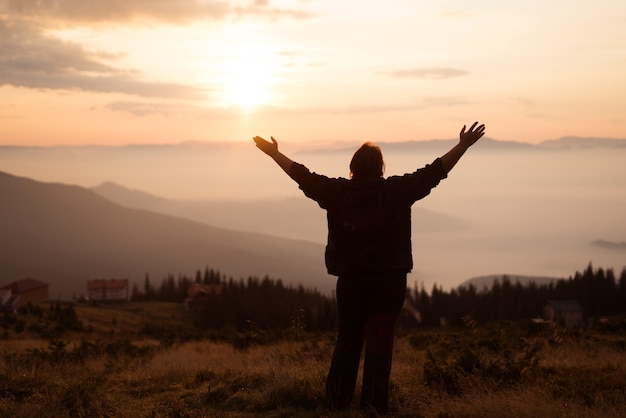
(369, 249)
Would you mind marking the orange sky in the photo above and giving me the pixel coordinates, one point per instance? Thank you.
(164, 71)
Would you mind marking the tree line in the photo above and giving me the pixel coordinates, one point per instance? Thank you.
(599, 293)
(246, 304)
(270, 304)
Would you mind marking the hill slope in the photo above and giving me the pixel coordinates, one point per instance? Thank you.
(279, 216)
(65, 235)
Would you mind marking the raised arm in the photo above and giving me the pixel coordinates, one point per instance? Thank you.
(466, 140)
(271, 149)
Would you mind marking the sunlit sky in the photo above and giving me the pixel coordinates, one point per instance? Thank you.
(167, 71)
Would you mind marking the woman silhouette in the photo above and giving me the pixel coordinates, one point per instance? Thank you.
(369, 249)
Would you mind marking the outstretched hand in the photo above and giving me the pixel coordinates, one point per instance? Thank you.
(270, 148)
(473, 134)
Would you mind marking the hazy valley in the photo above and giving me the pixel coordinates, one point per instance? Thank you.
(65, 235)
(507, 208)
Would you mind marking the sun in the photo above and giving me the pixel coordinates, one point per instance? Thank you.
(247, 77)
(246, 86)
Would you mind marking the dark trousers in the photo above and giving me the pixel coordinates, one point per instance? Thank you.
(368, 307)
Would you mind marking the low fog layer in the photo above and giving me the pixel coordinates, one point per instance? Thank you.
(505, 209)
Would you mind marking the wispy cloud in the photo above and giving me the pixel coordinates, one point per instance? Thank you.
(137, 108)
(263, 9)
(445, 101)
(364, 109)
(120, 11)
(436, 73)
(521, 101)
(426, 102)
(147, 108)
(115, 10)
(455, 13)
(150, 108)
(25, 47)
(30, 58)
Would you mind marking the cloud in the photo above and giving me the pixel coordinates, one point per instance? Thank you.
(154, 108)
(445, 101)
(139, 108)
(451, 13)
(262, 9)
(192, 109)
(31, 59)
(121, 11)
(426, 102)
(521, 101)
(115, 10)
(370, 109)
(423, 103)
(430, 73)
(24, 47)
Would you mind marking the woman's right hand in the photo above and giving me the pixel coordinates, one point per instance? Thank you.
(470, 137)
(270, 148)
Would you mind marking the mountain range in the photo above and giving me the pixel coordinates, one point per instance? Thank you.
(543, 209)
(65, 235)
(287, 217)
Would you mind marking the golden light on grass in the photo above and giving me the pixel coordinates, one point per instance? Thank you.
(578, 374)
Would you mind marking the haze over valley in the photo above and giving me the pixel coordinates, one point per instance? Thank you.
(507, 208)
(65, 235)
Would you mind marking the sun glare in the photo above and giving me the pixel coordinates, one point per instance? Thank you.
(246, 86)
(247, 77)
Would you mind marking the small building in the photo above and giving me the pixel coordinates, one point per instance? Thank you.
(200, 294)
(5, 297)
(566, 313)
(17, 294)
(108, 290)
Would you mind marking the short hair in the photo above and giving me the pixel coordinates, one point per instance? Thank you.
(367, 162)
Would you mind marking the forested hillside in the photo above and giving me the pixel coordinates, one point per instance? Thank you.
(269, 304)
(599, 292)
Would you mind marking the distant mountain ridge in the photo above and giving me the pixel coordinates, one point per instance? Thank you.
(575, 142)
(565, 142)
(609, 244)
(64, 235)
(524, 209)
(489, 144)
(269, 216)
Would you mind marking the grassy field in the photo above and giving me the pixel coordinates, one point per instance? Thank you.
(147, 360)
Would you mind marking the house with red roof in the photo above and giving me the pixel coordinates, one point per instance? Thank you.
(19, 293)
(108, 290)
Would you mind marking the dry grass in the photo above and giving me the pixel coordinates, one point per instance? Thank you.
(576, 375)
(134, 318)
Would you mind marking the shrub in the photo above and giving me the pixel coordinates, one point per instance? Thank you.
(498, 357)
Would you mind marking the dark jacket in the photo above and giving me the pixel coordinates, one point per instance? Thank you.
(369, 219)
